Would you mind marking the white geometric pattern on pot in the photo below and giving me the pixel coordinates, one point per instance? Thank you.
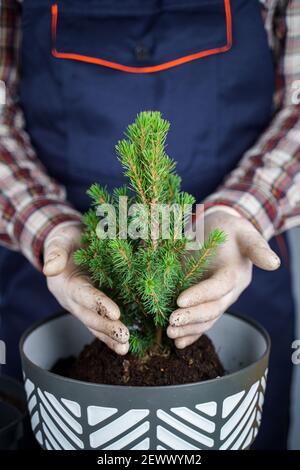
(29, 387)
(32, 402)
(175, 433)
(52, 418)
(173, 441)
(33, 410)
(209, 408)
(195, 418)
(244, 413)
(72, 406)
(143, 445)
(39, 437)
(230, 403)
(68, 418)
(239, 411)
(59, 424)
(118, 427)
(53, 428)
(97, 414)
(130, 437)
(261, 398)
(51, 442)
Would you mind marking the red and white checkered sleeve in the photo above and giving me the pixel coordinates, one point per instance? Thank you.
(31, 202)
(265, 187)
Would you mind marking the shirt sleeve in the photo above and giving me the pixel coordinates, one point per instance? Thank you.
(265, 187)
(31, 202)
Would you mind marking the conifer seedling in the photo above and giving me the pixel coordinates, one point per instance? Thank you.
(144, 274)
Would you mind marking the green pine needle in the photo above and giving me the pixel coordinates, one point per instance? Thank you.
(99, 194)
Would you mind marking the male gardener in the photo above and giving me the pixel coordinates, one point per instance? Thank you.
(222, 73)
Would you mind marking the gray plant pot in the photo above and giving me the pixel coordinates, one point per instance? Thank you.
(223, 413)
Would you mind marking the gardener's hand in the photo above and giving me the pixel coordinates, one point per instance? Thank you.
(200, 306)
(73, 290)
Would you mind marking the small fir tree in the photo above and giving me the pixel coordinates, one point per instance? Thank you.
(144, 274)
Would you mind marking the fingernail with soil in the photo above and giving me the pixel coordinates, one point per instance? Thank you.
(121, 335)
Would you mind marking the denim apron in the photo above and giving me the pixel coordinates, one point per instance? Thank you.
(88, 68)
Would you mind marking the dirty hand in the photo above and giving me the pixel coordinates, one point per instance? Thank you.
(200, 306)
(73, 290)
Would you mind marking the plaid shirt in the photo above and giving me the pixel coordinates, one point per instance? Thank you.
(264, 188)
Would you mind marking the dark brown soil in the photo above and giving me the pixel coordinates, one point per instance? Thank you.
(98, 364)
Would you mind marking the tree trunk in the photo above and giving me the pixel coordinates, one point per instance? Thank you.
(158, 336)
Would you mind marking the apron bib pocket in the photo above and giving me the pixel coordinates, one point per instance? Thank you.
(116, 62)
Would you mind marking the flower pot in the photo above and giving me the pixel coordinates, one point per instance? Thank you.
(223, 413)
(12, 413)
